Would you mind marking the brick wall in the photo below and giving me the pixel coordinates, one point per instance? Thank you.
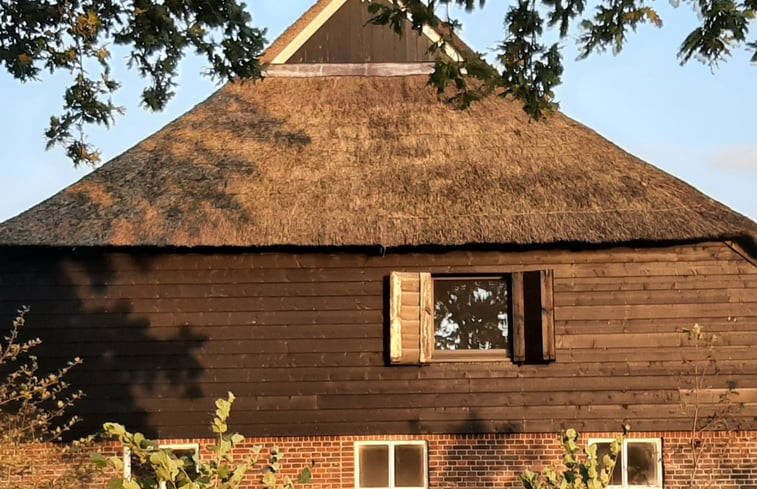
(727, 460)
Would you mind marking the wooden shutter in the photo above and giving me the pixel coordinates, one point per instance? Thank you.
(518, 336)
(411, 303)
(547, 316)
(533, 317)
(427, 317)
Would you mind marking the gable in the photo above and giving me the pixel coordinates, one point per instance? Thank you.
(347, 37)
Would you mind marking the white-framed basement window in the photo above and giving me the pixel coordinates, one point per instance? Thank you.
(400, 464)
(189, 452)
(639, 465)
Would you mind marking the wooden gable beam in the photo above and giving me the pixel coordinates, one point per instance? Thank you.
(324, 15)
(307, 31)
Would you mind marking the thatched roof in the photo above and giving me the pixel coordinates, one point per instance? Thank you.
(370, 161)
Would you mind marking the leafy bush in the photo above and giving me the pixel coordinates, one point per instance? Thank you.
(32, 406)
(33, 409)
(156, 467)
(583, 468)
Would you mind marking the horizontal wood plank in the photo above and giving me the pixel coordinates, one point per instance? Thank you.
(301, 338)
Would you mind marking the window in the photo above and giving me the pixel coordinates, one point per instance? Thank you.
(453, 318)
(471, 313)
(187, 452)
(639, 464)
(391, 465)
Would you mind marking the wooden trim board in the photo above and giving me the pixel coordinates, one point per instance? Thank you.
(347, 69)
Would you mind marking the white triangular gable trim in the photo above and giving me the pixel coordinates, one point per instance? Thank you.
(310, 29)
(436, 38)
(325, 14)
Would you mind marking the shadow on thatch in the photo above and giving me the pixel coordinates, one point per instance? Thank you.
(197, 175)
(78, 312)
(189, 183)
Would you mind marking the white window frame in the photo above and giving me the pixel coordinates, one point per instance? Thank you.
(623, 460)
(391, 444)
(170, 446)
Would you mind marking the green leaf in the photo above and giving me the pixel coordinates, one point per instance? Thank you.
(130, 484)
(114, 429)
(98, 459)
(269, 480)
(305, 476)
(117, 484)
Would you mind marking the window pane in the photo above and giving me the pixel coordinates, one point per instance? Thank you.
(374, 465)
(603, 448)
(470, 314)
(642, 464)
(187, 455)
(408, 466)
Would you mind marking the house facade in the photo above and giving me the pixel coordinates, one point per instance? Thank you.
(400, 294)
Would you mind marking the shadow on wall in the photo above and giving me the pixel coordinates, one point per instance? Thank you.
(479, 453)
(95, 306)
(750, 247)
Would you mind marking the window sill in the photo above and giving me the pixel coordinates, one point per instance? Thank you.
(470, 356)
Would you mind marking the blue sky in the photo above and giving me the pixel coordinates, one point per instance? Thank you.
(696, 123)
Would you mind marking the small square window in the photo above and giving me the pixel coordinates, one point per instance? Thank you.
(188, 453)
(391, 465)
(639, 464)
(471, 313)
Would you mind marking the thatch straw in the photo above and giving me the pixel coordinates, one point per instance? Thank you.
(370, 161)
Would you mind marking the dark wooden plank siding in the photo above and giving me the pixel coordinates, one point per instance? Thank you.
(348, 38)
(300, 339)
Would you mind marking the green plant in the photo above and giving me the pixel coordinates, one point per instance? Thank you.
(530, 58)
(33, 410)
(32, 406)
(709, 407)
(156, 467)
(707, 412)
(81, 39)
(584, 469)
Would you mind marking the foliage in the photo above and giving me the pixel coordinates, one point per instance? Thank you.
(153, 466)
(33, 410)
(706, 414)
(583, 468)
(530, 70)
(32, 406)
(76, 36)
(716, 414)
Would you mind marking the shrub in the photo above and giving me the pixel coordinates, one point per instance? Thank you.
(33, 410)
(156, 467)
(583, 468)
